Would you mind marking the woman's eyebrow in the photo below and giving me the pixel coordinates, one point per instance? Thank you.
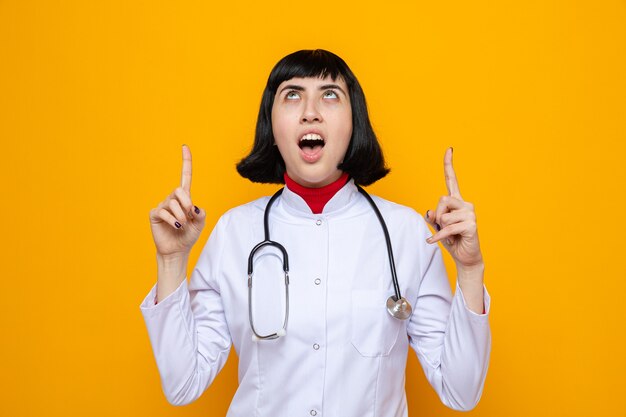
(292, 87)
(334, 86)
(321, 87)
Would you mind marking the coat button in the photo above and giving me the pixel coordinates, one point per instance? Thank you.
(318, 281)
(316, 346)
(318, 222)
(313, 412)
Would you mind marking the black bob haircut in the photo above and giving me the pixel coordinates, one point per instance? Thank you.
(364, 160)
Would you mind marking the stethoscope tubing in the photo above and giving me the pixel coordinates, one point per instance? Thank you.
(268, 242)
(392, 264)
(397, 306)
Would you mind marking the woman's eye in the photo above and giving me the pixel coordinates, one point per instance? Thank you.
(330, 94)
(292, 95)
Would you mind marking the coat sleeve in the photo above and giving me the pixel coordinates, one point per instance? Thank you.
(188, 330)
(452, 343)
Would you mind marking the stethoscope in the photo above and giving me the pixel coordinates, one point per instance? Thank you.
(397, 305)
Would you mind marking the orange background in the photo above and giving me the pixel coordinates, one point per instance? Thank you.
(96, 99)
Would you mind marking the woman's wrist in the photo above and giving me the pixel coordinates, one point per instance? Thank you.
(473, 273)
(171, 271)
(172, 260)
(471, 281)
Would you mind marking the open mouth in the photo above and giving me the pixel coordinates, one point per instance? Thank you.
(311, 143)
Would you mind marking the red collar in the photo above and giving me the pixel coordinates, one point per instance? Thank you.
(316, 198)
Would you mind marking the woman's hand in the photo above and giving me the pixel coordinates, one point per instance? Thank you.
(176, 223)
(455, 222)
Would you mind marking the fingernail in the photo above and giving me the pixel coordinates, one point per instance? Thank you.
(177, 225)
(427, 211)
(196, 209)
(437, 227)
(452, 148)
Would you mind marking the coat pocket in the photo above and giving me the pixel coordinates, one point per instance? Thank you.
(373, 331)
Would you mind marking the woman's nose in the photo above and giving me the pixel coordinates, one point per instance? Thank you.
(310, 113)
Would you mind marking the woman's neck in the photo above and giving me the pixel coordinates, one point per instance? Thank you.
(316, 198)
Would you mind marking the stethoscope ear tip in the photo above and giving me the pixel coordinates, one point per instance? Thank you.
(255, 338)
(281, 333)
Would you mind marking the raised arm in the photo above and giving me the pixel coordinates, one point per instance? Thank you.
(187, 326)
(451, 334)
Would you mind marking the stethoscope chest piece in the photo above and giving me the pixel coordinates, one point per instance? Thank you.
(399, 308)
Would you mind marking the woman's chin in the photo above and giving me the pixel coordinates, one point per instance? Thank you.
(316, 180)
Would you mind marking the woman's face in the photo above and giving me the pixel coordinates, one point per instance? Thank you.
(312, 126)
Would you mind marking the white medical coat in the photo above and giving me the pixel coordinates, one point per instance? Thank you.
(343, 354)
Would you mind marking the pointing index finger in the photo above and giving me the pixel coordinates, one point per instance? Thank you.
(185, 181)
(451, 184)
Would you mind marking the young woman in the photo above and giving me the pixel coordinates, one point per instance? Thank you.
(323, 310)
